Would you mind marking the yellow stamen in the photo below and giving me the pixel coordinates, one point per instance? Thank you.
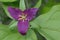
(22, 17)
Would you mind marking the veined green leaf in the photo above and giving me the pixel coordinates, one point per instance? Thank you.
(50, 23)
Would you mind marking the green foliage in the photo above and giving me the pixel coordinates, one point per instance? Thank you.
(6, 34)
(7, 0)
(6, 10)
(22, 5)
(13, 25)
(38, 4)
(49, 23)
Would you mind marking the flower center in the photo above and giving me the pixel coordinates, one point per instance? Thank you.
(22, 17)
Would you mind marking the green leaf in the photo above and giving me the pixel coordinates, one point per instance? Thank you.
(22, 5)
(7, 34)
(49, 23)
(44, 9)
(6, 10)
(13, 25)
(7, 0)
(38, 4)
(3, 26)
(12, 22)
(3, 30)
(31, 35)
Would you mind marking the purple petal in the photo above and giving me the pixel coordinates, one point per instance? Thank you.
(31, 13)
(14, 12)
(23, 27)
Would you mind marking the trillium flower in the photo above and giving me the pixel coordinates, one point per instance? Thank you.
(23, 18)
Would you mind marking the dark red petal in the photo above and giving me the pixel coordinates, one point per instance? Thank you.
(23, 27)
(31, 13)
(14, 12)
